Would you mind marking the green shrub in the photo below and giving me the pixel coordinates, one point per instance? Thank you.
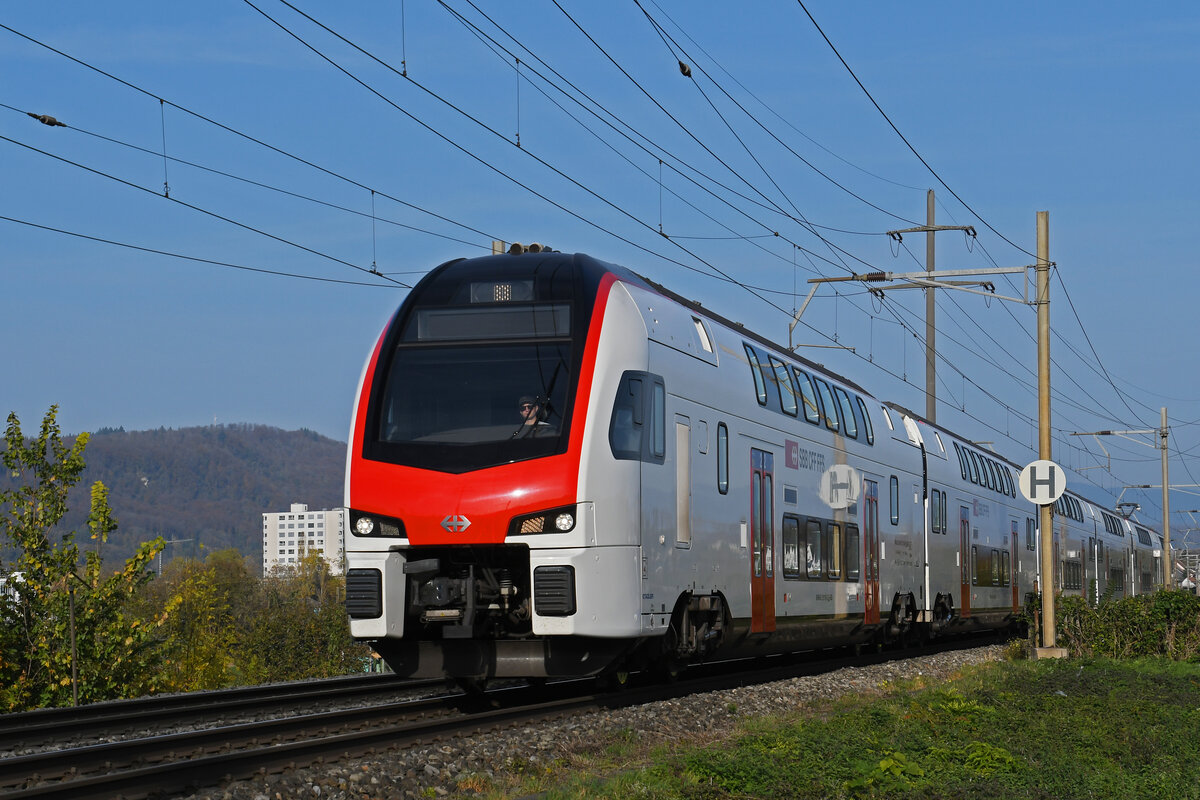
(1166, 623)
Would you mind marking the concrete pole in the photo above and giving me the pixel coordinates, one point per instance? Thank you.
(1168, 559)
(1045, 522)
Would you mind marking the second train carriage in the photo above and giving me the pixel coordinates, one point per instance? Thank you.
(689, 490)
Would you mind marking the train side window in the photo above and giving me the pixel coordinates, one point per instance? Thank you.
(849, 426)
(760, 383)
(894, 499)
(995, 576)
(814, 563)
(808, 397)
(831, 415)
(935, 510)
(1006, 567)
(787, 389)
(835, 551)
(853, 553)
(1029, 545)
(722, 458)
(975, 565)
(791, 547)
(990, 473)
(887, 417)
(658, 422)
(631, 436)
(945, 524)
(962, 461)
(702, 335)
(866, 419)
(973, 461)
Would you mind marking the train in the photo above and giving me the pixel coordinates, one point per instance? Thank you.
(559, 468)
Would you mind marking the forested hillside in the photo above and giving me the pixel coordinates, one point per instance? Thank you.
(208, 485)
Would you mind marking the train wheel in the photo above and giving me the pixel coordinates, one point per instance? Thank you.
(474, 695)
(614, 681)
(668, 671)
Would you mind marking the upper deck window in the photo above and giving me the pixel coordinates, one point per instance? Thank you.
(849, 426)
(760, 382)
(812, 412)
(866, 418)
(787, 390)
(831, 414)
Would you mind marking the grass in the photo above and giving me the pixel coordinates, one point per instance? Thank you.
(1077, 728)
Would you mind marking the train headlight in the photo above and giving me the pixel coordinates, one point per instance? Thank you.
(554, 520)
(365, 526)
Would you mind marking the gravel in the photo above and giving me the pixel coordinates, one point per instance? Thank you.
(447, 768)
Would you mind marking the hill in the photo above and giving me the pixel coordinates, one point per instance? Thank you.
(207, 485)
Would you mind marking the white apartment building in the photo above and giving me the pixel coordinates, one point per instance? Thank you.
(290, 535)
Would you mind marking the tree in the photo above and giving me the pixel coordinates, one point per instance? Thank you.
(303, 632)
(63, 618)
(210, 605)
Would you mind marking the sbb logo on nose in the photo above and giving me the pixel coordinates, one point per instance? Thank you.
(456, 523)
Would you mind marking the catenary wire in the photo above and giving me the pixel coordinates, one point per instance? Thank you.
(196, 259)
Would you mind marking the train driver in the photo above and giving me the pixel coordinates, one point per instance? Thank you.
(533, 422)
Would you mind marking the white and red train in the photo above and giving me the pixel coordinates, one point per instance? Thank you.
(685, 490)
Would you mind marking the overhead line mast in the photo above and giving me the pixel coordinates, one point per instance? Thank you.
(929, 229)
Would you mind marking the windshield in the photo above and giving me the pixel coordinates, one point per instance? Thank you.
(480, 365)
(472, 395)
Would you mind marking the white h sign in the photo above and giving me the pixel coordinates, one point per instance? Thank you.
(1043, 482)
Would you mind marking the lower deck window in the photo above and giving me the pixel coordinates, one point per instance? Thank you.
(820, 550)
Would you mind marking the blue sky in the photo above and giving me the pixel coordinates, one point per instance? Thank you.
(1084, 110)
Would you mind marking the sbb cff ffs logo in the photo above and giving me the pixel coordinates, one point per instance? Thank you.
(456, 523)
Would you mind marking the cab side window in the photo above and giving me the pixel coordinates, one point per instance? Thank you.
(637, 430)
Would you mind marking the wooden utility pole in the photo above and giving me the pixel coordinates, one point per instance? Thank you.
(1168, 559)
(930, 327)
(1045, 522)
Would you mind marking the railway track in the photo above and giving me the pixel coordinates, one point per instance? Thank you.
(170, 763)
(21, 733)
(173, 763)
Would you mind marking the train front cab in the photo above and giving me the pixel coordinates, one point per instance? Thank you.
(472, 552)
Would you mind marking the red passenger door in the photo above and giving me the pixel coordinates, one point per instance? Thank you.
(871, 552)
(964, 559)
(762, 541)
